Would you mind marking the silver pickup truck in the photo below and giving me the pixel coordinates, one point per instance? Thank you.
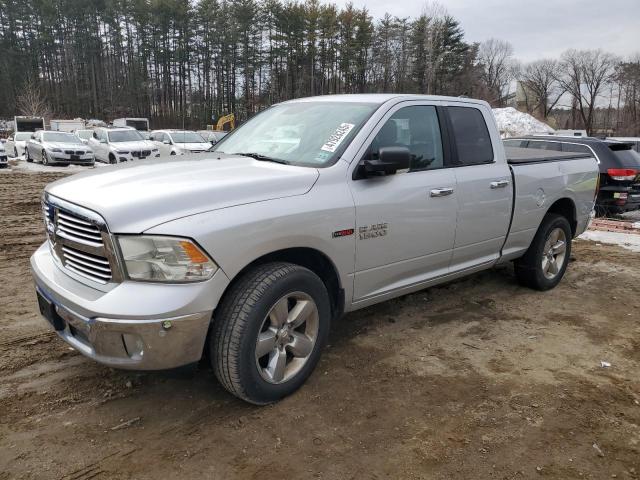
(312, 208)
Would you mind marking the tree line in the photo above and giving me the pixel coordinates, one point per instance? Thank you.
(188, 61)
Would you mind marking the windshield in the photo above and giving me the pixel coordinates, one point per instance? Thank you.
(303, 133)
(125, 136)
(187, 137)
(85, 134)
(23, 136)
(60, 137)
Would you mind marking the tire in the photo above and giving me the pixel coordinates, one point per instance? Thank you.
(545, 262)
(15, 152)
(253, 310)
(27, 156)
(112, 159)
(45, 158)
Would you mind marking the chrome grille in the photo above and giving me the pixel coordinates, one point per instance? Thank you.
(93, 267)
(80, 241)
(74, 228)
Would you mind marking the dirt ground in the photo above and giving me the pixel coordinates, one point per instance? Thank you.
(475, 379)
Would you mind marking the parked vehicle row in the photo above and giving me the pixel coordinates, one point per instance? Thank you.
(248, 259)
(619, 166)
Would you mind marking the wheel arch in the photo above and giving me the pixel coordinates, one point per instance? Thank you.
(567, 208)
(311, 258)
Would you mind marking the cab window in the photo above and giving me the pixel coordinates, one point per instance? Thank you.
(471, 135)
(417, 128)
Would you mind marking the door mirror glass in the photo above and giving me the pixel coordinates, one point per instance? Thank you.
(391, 159)
(166, 141)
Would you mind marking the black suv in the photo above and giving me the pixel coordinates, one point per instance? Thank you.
(619, 167)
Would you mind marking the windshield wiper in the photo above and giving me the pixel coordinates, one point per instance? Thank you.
(262, 158)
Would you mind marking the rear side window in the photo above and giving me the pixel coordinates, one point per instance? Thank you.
(569, 147)
(472, 139)
(627, 158)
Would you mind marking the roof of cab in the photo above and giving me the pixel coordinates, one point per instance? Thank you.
(380, 98)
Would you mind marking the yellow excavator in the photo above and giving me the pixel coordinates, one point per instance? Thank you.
(226, 123)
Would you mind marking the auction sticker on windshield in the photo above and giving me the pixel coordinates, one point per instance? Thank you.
(337, 137)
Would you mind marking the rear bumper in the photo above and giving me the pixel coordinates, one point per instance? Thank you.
(618, 200)
(134, 325)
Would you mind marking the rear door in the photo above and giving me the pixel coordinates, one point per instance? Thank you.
(405, 223)
(484, 187)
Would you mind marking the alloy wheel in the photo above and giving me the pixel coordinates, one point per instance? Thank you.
(287, 337)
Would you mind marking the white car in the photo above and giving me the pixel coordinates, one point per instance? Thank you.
(115, 145)
(63, 148)
(17, 143)
(179, 142)
(3, 156)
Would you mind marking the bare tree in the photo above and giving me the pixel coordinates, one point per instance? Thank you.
(498, 69)
(539, 81)
(32, 102)
(584, 74)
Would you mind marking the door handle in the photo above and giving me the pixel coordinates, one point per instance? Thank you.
(499, 184)
(441, 192)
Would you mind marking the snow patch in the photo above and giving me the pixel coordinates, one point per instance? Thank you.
(630, 241)
(513, 123)
(24, 166)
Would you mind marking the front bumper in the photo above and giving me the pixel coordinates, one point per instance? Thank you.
(128, 157)
(134, 325)
(76, 159)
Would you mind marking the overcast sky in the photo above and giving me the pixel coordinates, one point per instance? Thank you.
(536, 28)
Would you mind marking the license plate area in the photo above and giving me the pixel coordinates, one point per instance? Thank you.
(75, 157)
(48, 311)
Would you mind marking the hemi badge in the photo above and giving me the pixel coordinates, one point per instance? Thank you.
(343, 233)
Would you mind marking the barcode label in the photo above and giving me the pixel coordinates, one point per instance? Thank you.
(337, 137)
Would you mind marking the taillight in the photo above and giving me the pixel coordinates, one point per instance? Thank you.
(622, 173)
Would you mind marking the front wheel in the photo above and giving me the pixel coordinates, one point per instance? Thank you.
(545, 262)
(45, 158)
(27, 156)
(270, 331)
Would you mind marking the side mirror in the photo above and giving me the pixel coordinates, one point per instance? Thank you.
(33, 137)
(391, 160)
(167, 142)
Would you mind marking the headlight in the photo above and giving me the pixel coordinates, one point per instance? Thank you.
(165, 259)
(55, 150)
(122, 152)
(154, 150)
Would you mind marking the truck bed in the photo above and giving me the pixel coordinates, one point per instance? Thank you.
(518, 156)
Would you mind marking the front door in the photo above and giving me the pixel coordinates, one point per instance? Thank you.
(405, 223)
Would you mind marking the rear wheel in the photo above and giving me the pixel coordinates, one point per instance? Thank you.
(270, 331)
(545, 262)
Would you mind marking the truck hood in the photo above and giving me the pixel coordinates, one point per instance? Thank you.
(136, 196)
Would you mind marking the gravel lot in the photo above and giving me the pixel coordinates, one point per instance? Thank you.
(475, 379)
